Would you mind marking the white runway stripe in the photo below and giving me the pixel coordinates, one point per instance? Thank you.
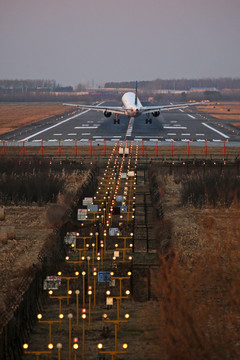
(53, 126)
(60, 123)
(191, 116)
(86, 127)
(174, 127)
(130, 127)
(217, 131)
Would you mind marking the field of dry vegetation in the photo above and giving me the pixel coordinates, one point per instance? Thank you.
(197, 285)
(224, 111)
(34, 198)
(14, 115)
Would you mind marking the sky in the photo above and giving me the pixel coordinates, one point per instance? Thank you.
(92, 41)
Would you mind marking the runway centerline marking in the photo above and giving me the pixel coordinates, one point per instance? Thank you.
(130, 127)
(191, 116)
(86, 127)
(175, 127)
(60, 123)
(217, 131)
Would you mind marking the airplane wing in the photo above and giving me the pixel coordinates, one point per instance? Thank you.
(149, 109)
(112, 109)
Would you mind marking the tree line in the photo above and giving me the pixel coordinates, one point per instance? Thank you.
(23, 86)
(179, 84)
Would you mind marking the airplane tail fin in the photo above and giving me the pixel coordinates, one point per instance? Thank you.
(136, 93)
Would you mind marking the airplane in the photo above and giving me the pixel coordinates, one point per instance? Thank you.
(132, 107)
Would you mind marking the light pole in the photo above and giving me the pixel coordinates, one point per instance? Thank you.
(75, 347)
(89, 307)
(38, 353)
(49, 322)
(105, 242)
(88, 265)
(83, 275)
(112, 353)
(77, 292)
(98, 260)
(96, 234)
(121, 278)
(101, 248)
(68, 278)
(94, 287)
(116, 325)
(70, 316)
(59, 347)
(93, 246)
(60, 298)
(127, 292)
(83, 332)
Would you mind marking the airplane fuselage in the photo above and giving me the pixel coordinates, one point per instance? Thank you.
(131, 109)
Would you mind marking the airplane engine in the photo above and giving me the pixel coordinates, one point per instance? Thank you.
(107, 114)
(156, 113)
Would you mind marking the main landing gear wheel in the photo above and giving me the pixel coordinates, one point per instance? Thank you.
(148, 121)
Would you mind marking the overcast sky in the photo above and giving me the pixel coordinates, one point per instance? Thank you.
(73, 41)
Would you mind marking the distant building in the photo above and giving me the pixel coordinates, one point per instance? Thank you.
(197, 89)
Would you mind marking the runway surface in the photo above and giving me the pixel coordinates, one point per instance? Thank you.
(177, 125)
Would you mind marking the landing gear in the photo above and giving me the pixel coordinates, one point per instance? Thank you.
(148, 120)
(116, 120)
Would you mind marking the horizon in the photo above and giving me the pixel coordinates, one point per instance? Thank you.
(124, 81)
(98, 42)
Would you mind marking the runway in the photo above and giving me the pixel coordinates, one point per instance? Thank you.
(176, 125)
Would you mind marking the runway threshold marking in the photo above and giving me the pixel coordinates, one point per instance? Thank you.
(217, 131)
(60, 123)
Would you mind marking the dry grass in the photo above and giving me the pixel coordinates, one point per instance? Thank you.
(222, 111)
(15, 115)
(236, 124)
(33, 229)
(197, 283)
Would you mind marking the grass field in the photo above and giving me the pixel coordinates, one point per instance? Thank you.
(224, 111)
(15, 115)
(198, 299)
